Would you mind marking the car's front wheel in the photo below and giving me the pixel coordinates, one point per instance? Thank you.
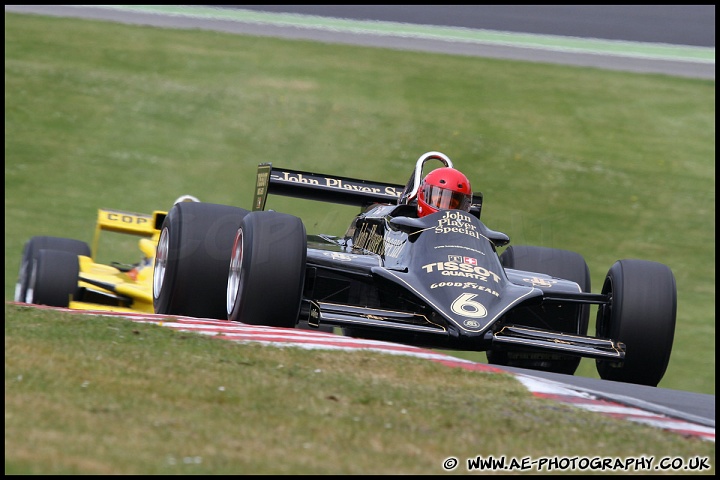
(641, 314)
(267, 270)
(192, 258)
(53, 278)
(30, 252)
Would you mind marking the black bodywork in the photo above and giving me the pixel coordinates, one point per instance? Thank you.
(435, 281)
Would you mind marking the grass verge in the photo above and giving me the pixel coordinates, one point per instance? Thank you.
(101, 395)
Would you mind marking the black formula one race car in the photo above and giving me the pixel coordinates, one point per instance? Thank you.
(434, 281)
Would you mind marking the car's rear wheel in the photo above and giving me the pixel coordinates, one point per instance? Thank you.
(30, 251)
(641, 314)
(557, 263)
(192, 259)
(53, 278)
(267, 270)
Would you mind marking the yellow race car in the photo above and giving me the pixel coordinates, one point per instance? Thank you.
(63, 272)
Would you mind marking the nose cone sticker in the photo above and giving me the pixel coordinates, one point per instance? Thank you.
(465, 306)
(472, 324)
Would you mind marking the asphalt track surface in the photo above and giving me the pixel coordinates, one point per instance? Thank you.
(672, 40)
(669, 24)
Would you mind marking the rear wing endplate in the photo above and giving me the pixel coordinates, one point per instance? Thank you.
(321, 187)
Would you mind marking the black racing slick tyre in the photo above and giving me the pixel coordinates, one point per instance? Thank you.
(641, 314)
(53, 278)
(557, 263)
(30, 252)
(267, 270)
(192, 259)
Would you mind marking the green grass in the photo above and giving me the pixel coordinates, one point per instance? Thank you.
(609, 164)
(99, 395)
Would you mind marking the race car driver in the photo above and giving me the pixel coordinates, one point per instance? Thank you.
(444, 189)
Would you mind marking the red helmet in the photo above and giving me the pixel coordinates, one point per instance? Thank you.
(444, 189)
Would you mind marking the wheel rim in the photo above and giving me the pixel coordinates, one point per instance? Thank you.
(235, 272)
(160, 262)
(30, 292)
(22, 280)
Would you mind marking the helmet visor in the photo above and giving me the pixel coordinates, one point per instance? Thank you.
(446, 199)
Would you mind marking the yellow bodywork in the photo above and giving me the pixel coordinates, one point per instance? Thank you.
(109, 288)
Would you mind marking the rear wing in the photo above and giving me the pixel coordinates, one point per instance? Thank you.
(329, 188)
(321, 187)
(140, 224)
